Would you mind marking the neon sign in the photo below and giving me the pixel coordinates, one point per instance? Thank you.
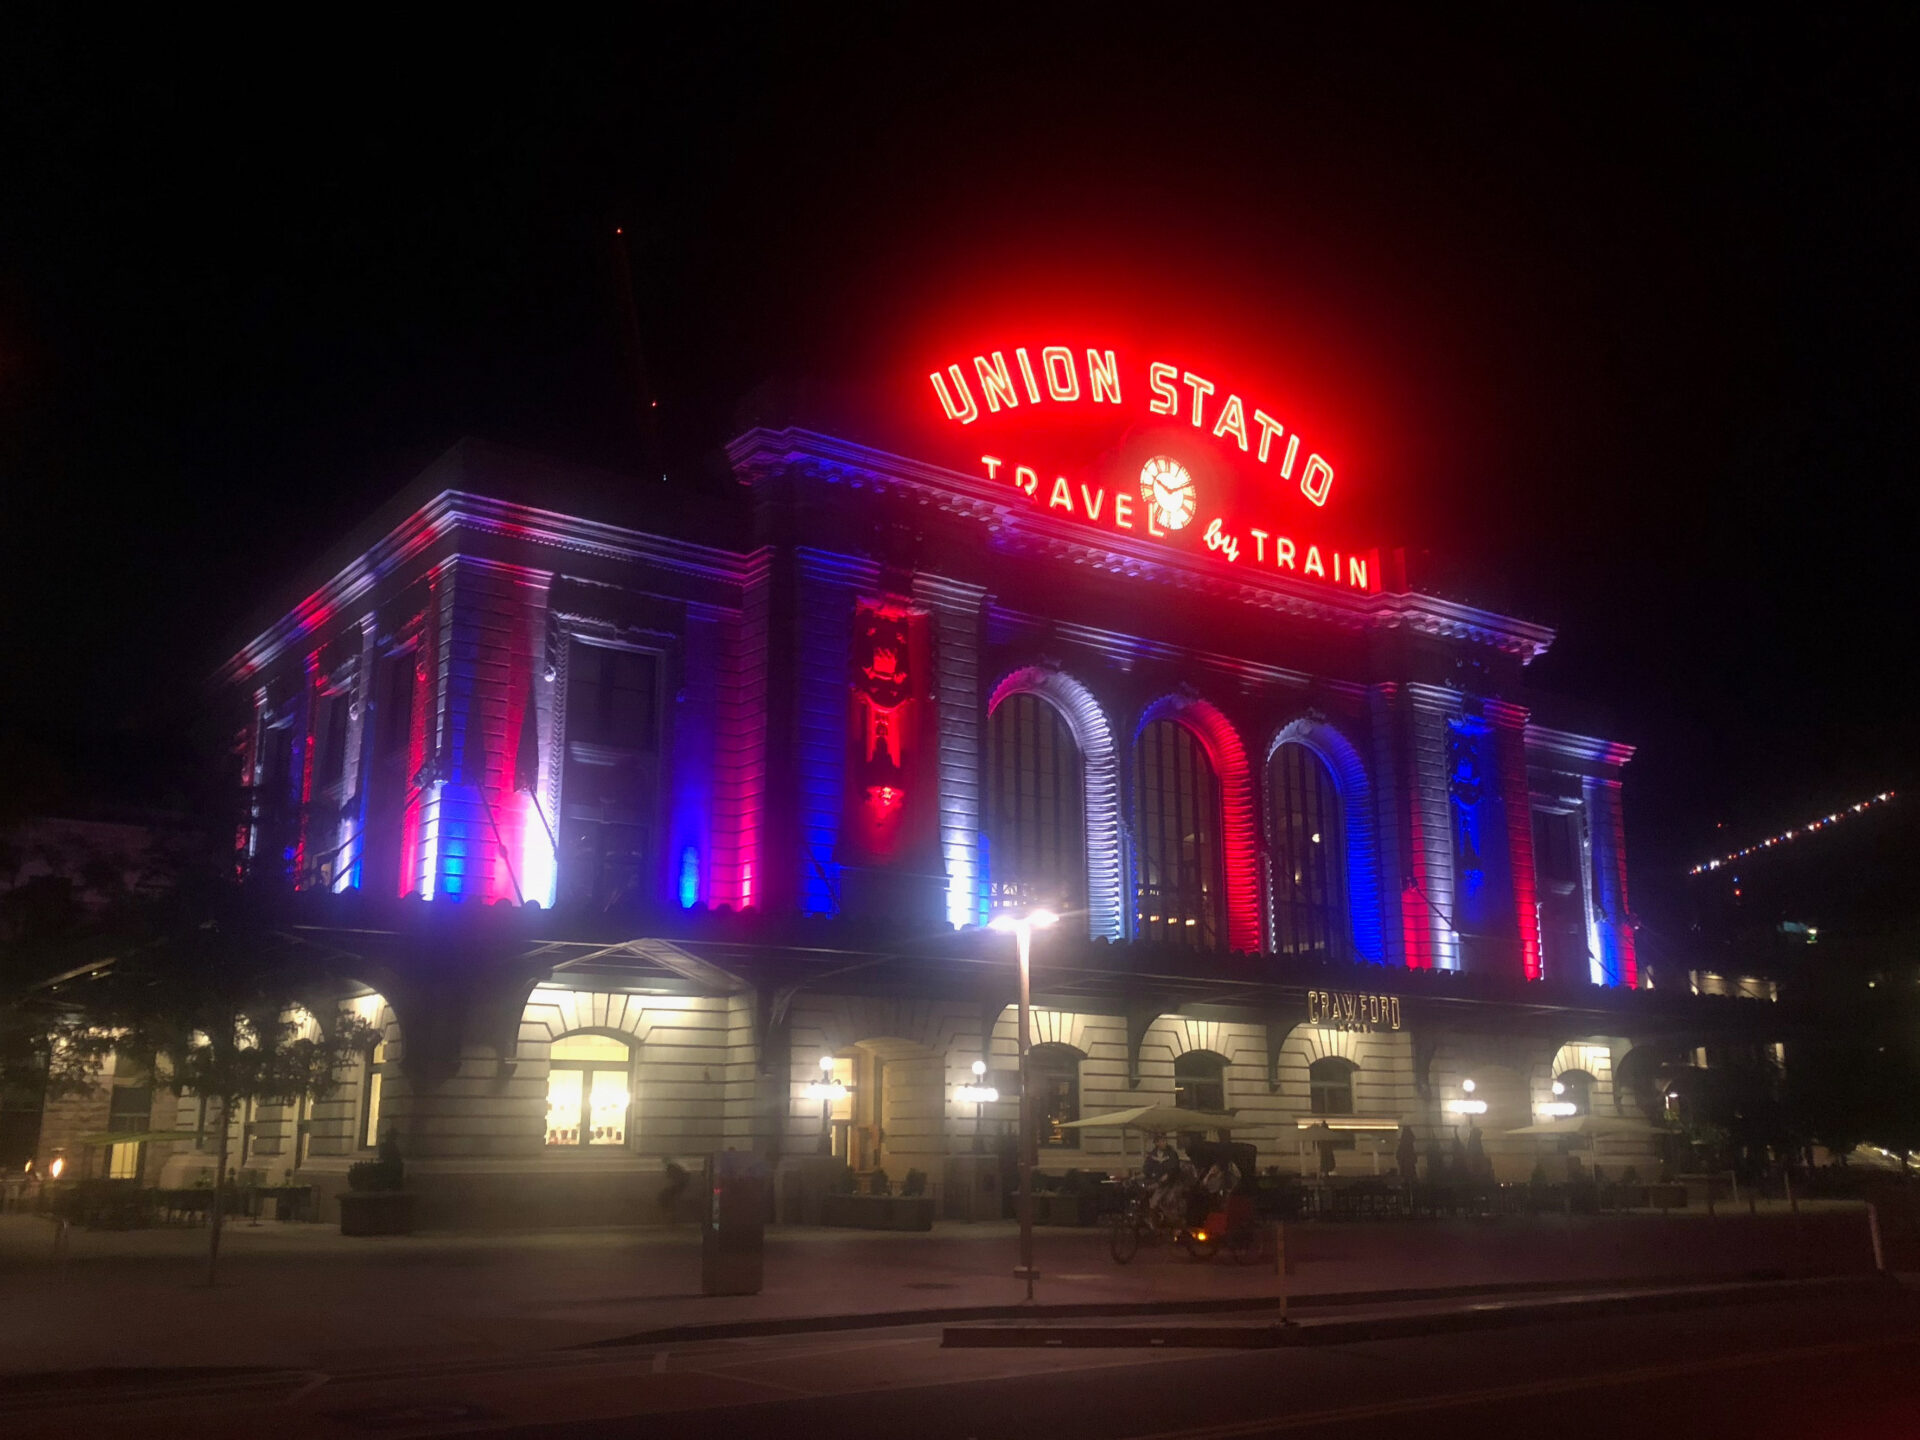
(1169, 491)
(1350, 1010)
(1062, 387)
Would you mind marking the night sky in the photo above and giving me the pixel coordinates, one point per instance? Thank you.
(1612, 316)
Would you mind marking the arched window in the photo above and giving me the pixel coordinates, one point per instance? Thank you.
(1054, 1073)
(1330, 1086)
(1304, 815)
(1575, 1088)
(1177, 837)
(1036, 835)
(1200, 1081)
(588, 1090)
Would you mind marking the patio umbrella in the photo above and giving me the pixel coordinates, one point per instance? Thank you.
(1161, 1119)
(1592, 1126)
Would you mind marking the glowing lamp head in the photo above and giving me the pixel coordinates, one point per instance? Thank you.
(1558, 1088)
(826, 1064)
(1467, 1085)
(59, 1164)
(979, 1068)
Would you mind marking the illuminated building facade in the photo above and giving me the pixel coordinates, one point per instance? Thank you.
(629, 826)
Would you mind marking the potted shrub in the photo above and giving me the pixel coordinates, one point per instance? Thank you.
(1040, 1186)
(374, 1202)
(837, 1204)
(879, 1208)
(1068, 1204)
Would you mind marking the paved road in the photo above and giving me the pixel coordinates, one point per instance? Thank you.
(1828, 1362)
(305, 1297)
(1836, 1365)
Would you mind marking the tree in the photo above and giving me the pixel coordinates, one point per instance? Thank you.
(225, 1007)
(50, 944)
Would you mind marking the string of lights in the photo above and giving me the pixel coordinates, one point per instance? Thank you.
(1784, 836)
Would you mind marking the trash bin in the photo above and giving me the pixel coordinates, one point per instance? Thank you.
(733, 1228)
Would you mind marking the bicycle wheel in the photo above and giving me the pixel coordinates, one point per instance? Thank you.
(1123, 1241)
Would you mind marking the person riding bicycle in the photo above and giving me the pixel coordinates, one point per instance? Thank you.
(1163, 1173)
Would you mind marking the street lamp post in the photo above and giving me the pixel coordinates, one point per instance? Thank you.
(1022, 928)
(980, 1106)
(825, 1090)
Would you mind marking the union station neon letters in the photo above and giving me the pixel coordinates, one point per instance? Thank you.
(1166, 498)
(1056, 380)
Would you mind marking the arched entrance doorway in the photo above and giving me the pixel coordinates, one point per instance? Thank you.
(897, 1120)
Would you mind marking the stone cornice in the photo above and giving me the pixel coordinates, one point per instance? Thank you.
(1016, 529)
(450, 512)
(1565, 745)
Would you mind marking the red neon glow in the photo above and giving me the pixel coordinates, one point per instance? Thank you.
(995, 383)
(1317, 480)
(1201, 389)
(1232, 421)
(1269, 427)
(965, 411)
(1240, 858)
(1173, 508)
(1225, 420)
(1103, 376)
(1166, 399)
(1063, 381)
(1026, 374)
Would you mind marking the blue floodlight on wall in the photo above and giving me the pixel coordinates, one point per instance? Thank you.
(689, 878)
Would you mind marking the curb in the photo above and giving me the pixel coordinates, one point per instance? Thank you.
(1130, 1309)
(1289, 1334)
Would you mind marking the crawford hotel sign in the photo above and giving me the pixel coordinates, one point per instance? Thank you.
(1199, 465)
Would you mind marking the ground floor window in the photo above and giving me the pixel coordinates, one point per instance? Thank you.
(588, 1090)
(1054, 1073)
(1330, 1086)
(129, 1112)
(1200, 1081)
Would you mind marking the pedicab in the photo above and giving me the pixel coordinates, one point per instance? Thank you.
(1203, 1223)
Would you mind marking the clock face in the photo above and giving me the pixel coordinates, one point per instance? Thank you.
(1168, 488)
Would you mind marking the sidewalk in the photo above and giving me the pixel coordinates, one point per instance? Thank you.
(304, 1297)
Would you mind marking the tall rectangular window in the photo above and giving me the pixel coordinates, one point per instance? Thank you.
(334, 722)
(1176, 836)
(1304, 824)
(388, 778)
(1560, 892)
(129, 1112)
(1036, 837)
(610, 785)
